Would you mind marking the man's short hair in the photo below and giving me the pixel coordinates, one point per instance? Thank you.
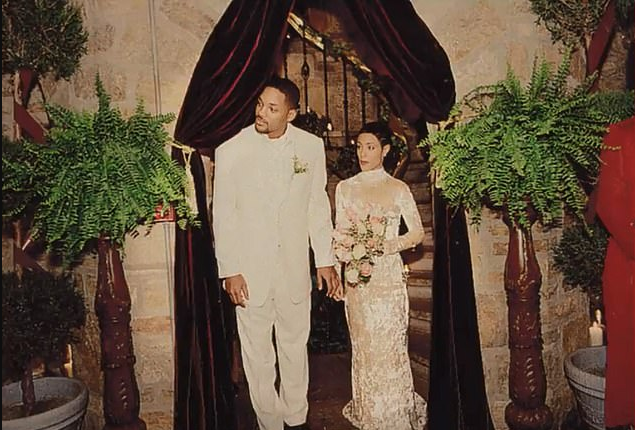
(288, 88)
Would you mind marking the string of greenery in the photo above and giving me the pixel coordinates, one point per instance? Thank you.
(346, 163)
(522, 149)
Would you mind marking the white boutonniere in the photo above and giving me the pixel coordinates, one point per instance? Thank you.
(299, 166)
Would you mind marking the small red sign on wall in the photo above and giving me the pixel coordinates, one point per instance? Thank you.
(164, 216)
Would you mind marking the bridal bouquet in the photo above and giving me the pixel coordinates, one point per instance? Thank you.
(357, 240)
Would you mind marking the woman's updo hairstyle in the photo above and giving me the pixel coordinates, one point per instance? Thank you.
(380, 130)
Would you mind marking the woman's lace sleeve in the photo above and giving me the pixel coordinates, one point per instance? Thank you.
(410, 213)
(339, 204)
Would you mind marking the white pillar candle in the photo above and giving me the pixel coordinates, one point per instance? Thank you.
(595, 334)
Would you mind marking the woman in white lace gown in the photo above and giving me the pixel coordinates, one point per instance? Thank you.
(377, 313)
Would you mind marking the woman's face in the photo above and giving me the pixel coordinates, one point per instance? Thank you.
(370, 153)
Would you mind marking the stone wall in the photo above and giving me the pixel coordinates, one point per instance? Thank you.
(149, 49)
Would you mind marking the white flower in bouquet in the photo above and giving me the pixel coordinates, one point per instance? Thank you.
(359, 251)
(351, 274)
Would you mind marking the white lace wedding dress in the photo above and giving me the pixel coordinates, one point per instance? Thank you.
(377, 314)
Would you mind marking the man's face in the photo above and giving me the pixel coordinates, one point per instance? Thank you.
(273, 113)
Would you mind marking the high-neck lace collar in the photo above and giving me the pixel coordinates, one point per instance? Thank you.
(372, 175)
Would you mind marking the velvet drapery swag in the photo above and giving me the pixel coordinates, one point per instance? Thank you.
(243, 51)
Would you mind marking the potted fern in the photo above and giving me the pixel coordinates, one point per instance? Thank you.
(41, 315)
(520, 151)
(98, 178)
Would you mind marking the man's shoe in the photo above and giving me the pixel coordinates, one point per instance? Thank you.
(304, 426)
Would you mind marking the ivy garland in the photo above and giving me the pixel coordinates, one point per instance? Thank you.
(518, 149)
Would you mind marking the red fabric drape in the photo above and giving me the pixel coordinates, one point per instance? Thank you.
(242, 52)
(616, 208)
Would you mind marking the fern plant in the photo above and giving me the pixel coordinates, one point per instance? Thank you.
(100, 175)
(20, 179)
(521, 150)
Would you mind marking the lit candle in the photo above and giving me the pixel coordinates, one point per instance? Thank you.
(68, 366)
(596, 332)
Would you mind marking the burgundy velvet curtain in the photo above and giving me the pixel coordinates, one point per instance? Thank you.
(242, 52)
(456, 398)
(390, 37)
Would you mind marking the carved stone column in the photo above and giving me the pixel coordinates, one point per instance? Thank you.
(527, 380)
(112, 306)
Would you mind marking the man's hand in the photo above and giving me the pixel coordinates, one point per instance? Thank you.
(333, 287)
(236, 287)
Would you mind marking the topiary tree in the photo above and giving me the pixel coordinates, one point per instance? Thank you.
(41, 314)
(45, 37)
(574, 23)
(580, 255)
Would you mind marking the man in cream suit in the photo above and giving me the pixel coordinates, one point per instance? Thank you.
(270, 205)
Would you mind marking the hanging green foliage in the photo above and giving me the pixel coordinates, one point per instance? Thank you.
(518, 149)
(20, 179)
(102, 175)
(42, 35)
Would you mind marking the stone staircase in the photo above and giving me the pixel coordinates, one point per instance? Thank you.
(419, 262)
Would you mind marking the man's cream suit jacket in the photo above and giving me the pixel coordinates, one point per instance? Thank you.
(263, 229)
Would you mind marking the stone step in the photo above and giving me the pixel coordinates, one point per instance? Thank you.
(418, 171)
(421, 192)
(418, 262)
(420, 282)
(420, 274)
(419, 339)
(421, 376)
(421, 308)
